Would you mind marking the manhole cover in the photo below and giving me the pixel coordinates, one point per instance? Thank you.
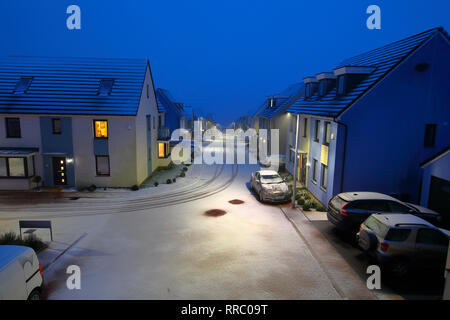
(236, 201)
(215, 212)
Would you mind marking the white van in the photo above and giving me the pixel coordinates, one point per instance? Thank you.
(20, 273)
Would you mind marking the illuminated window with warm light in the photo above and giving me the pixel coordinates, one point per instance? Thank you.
(161, 150)
(101, 129)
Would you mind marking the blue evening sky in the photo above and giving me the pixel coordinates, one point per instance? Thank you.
(223, 57)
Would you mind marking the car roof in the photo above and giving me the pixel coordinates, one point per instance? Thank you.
(9, 253)
(401, 219)
(268, 172)
(364, 195)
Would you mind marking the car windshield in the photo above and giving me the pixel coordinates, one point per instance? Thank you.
(271, 178)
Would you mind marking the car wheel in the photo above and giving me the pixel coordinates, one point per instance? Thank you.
(35, 295)
(399, 268)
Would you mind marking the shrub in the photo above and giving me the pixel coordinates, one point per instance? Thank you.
(301, 201)
(36, 179)
(298, 196)
(185, 168)
(308, 205)
(169, 181)
(321, 208)
(307, 197)
(135, 188)
(92, 188)
(182, 174)
(156, 183)
(170, 166)
(174, 180)
(32, 241)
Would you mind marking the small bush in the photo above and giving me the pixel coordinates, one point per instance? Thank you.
(156, 183)
(307, 197)
(171, 165)
(135, 188)
(301, 201)
(307, 206)
(169, 181)
(185, 168)
(298, 196)
(314, 204)
(321, 208)
(182, 174)
(174, 180)
(92, 188)
(36, 179)
(32, 241)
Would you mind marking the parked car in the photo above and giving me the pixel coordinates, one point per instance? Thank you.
(348, 210)
(20, 273)
(269, 186)
(403, 242)
(274, 162)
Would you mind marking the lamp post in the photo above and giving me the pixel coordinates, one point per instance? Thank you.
(295, 162)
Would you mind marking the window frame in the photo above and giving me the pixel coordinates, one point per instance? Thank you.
(7, 119)
(316, 131)
(107, 129)
(323, 177)
(314, 173)
(53, 126)
(326, 137)
(166, 150)
(430, 142)
(96, 166)
(305, 127)
(25, 168)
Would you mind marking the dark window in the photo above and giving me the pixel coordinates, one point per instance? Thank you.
(314, 177)
(323, 87)
(102, 165)
(316, 132)
(323, 180)
(149, 122)
(327, 133)
(105, 87)
(341, 85)
(432, 237)
(56, 125)
(398, 234)
(398, 207)
(305, 126)
(3, 167)
(12, 127)
(370, 205)
(154, 123)
(291, 154)
(148, 91)
(22, 85)
(430, 135)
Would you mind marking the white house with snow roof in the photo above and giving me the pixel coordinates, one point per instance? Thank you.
(76, 122)
(368, 124)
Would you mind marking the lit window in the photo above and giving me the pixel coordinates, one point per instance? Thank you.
(22, 85)
(102, 165)
(101, 129)
(16, 167)
(163, 149)
(105, 87)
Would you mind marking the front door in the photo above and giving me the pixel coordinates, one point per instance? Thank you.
(59, 171)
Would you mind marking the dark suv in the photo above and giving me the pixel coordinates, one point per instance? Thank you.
(348, 210)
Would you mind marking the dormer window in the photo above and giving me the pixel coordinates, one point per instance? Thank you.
(22, 85)
(272, 102)
(310, 86)
(105, 87)
(322, 87)
(341, 85)
(326, 81)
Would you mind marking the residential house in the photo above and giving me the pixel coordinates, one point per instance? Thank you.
(369, 124)
(76, 122)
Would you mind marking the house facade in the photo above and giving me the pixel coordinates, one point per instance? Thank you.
(368, 124)
(75, 122)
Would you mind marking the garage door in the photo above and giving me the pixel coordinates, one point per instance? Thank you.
(439, 199)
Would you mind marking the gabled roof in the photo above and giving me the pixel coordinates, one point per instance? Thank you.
(166, 102)
(286, 97)
(435, 157)
(71, 85)
(384, 59)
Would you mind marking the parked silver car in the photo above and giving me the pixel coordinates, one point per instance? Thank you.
(402, 242)
(269, 186)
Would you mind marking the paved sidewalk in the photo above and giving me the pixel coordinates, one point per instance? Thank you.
(344, 279)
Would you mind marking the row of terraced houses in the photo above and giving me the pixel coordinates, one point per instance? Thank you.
(379, 121)
(75, 122)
